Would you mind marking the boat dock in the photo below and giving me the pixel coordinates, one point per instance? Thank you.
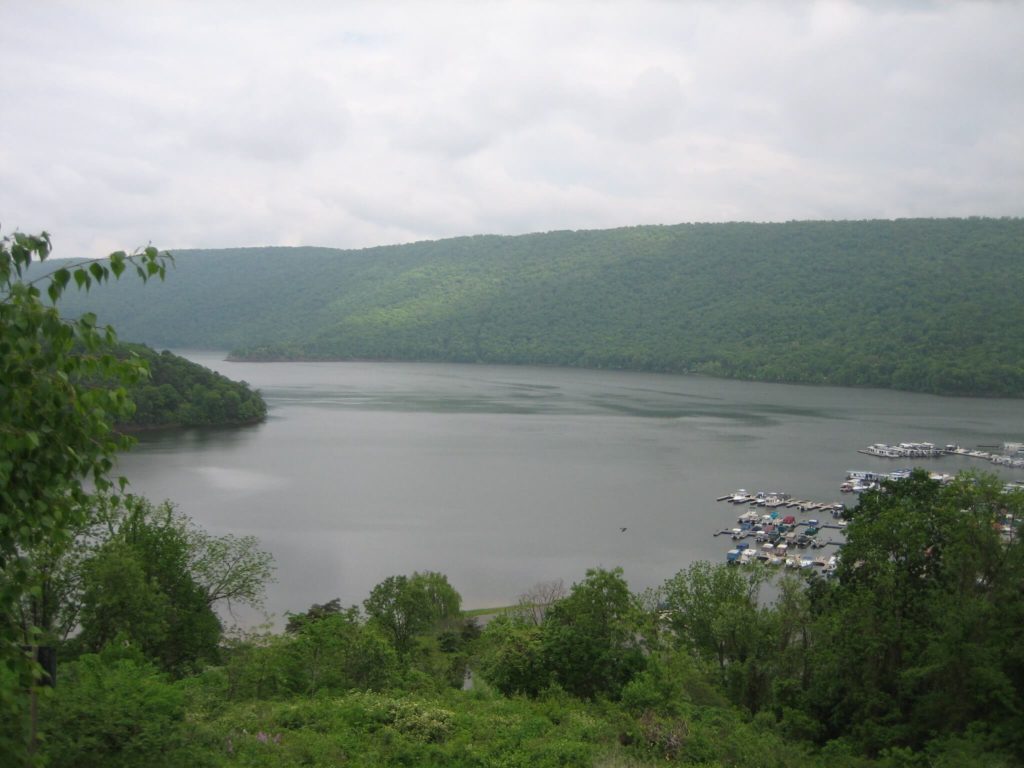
(769, 531)
(1006, 455)
(770, 501)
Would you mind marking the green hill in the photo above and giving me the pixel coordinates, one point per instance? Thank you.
(180, 393)
(930, 305)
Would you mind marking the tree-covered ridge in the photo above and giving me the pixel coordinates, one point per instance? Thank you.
(180, 393)
(925, 304)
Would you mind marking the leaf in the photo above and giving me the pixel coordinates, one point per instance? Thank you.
(117, 263)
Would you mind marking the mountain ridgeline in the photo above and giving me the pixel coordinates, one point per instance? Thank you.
(930, 305)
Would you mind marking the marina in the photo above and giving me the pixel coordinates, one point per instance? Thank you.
(766, 534)
(770, 532)
(1006, 455)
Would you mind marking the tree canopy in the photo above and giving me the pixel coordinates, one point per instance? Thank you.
(923, 631)
(62, 387)
(405, 606)
(180, 393)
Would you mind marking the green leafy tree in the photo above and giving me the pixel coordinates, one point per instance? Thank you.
(316, 612)
(442, 598)
(923, 631)
(139, 588)
(338, 653)
(712, 611)
(154, 579)
(405, 606)
(513, 659)
(591, 638)
(61, 389)
(121, 602)
(399, 609)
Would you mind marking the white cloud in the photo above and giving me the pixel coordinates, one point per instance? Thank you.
(221, 124)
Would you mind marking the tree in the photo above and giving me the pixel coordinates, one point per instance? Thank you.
(533, 604)
(405, 606)
(513, 660)
(153, 578)
(121, 602)
(923, 631)
(140, 586)
(590, 638)
(337, 652)
(61, 389)
(707, 606)
(229, 569)
(442, 598)
(316, 612)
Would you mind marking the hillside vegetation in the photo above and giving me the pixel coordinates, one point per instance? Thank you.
(925, 305)
(180, 393)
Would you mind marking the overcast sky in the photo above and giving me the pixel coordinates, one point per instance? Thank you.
(348, 124)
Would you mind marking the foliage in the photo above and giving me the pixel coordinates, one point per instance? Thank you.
(316, 612)
(338, 654)
(513, 660)
(405, 606)
(180, 393)
(919, 304)
(923, 631)
(229, 569)
(138, 589)
(608, 685)
(589, 642)
(710, 608)
(145, 575)
(590, 638)
(55, 426)
(712, 611)
(381, 729)
(109, 712)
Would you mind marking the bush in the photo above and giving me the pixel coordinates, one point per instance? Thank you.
(114, 712)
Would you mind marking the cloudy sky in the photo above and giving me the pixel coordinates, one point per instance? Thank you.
(348, 124)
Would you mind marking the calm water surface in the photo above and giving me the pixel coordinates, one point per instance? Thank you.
(505, 476)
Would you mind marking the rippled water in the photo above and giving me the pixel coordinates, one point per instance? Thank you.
(505, 476)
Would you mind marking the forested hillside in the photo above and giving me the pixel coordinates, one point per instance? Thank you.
(180, 393)
(926, 305)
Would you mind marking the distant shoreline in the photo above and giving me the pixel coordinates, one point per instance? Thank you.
(233, 357)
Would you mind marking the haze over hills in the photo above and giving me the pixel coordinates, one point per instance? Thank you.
(930, 305)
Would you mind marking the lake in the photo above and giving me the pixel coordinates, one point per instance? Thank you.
(501, 477)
